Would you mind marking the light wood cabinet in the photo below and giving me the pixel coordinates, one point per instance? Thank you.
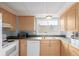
(9, 18)
(22, 24)
(14, 22)
(22, 47)
(6, 18)
(50, 48)
(68, 50)
(63, 22)
(64, 49)
(71, 19)
(77, 17)
(26, 23)
(54, 47)
(73, 51)
(44, 48)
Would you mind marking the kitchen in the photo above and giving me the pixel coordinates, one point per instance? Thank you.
(39, 28)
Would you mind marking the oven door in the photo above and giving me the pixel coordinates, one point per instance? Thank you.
(10, 50)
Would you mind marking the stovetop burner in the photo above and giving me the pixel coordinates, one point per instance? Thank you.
(4, 43)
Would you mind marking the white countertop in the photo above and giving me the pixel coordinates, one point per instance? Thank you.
(74, 42)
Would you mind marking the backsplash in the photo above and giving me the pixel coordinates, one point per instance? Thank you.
(9, 33)
(63, 33)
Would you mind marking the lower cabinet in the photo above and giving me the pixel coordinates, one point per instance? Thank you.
(68, 49)
(50, 47)
(43, 47)
(73, 51)
(22, 47)
(64, 49)
(46, 48)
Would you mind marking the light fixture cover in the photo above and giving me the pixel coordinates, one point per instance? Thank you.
(48, 17)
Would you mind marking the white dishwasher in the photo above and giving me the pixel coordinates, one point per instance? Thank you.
(33, 48)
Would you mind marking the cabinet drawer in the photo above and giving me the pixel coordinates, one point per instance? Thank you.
(44, 41)
(55, 42)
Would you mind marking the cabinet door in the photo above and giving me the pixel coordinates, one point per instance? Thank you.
(71, 21)
(50, 48)
(63, 22)
(9, 18)
(22, 47)
(26, 23)
(30, 23)
(44, 48)
(54, 48)
(13, 22)
(6, 16)
(73, 51)
(77, 17)
(64, 49)
(22, 25)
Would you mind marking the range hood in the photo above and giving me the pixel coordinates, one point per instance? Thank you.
(6, 26)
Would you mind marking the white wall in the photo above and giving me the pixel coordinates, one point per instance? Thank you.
(0, 34)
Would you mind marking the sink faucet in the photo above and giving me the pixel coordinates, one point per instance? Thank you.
(43, 37)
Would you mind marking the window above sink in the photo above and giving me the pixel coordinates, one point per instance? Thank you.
(47, 27)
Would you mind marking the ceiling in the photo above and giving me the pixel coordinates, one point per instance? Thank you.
(37, 8)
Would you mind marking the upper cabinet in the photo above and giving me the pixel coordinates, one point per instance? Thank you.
(26, 23)
(8, 18)
(71, 19)
(13, 22)
(63, 22)
(77, 17)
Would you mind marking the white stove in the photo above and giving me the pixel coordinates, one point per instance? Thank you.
(10, 48)
(4, 43)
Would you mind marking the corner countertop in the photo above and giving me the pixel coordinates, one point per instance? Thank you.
(72, 42)
(66, 40)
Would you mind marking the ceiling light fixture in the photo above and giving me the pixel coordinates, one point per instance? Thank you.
(48, 17)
